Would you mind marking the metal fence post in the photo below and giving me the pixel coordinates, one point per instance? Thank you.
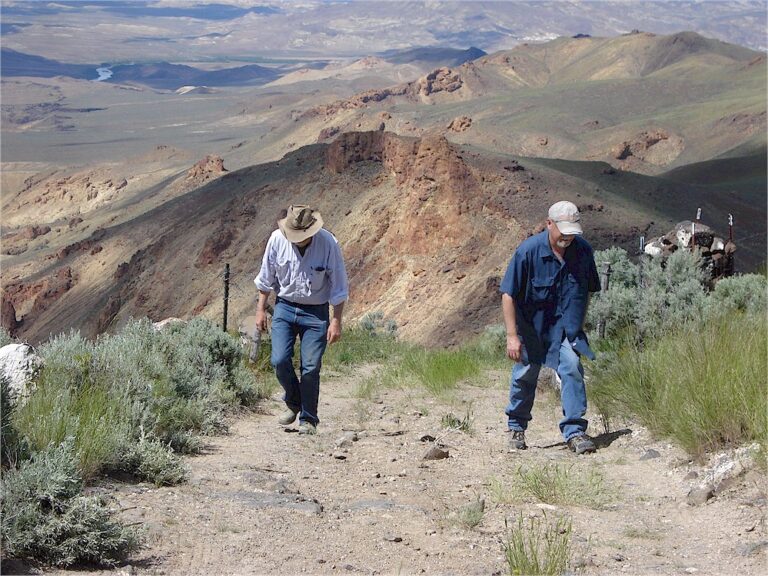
(226, 294)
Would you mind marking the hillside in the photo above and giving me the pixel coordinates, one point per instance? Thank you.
(424, 225)
(641, 102)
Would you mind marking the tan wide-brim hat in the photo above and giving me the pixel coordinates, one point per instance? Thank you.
(300, 223)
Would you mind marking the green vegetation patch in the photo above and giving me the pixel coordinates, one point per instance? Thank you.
(555, 484)
(538, 546)
(703, 385)
(45, 517)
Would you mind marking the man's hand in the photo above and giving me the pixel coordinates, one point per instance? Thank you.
(514, 348)
(261, 320)
(334, 331)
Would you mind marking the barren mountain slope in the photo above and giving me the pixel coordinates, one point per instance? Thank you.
(426, 227)
(641, 102)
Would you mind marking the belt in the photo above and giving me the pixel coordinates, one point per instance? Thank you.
(298, 304)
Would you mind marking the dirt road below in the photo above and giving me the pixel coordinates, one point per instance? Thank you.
(360, 497)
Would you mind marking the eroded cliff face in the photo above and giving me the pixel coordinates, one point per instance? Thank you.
(426, 227)
(428, 245)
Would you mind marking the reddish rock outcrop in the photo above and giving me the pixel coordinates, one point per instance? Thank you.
(32, 232)
(211, 166)
(439, 80)
(42, 294)
(214, 246)
(8, 314)
(460, 124)
(657, 147)
(327, 133)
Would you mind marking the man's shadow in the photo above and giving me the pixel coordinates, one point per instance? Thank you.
(602, 441)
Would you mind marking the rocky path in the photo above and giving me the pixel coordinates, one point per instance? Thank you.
(360, 498)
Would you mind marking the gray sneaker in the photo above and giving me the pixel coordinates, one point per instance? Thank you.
(517, 440)
(581, 444)
(307, 428)
(288, 416)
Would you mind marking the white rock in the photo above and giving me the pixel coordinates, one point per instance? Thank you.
(727, 465)
(653, 248)
(20, 366)
(163, 323)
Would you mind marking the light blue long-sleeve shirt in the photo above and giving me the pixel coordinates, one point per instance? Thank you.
(318, 277)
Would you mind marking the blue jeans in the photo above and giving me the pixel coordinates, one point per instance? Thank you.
(310, 324)
(573, 395)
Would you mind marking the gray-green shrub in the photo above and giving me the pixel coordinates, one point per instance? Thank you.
(624, 272)
(746, 293)
(45, 516)
(151, 460)
(674, 292)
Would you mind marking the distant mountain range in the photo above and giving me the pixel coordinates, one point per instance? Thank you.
(196, 30)
(168, 76)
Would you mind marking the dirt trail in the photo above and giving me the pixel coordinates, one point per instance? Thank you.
(264, 500)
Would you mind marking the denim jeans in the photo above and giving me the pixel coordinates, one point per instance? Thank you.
(310, 324)
(573, 395)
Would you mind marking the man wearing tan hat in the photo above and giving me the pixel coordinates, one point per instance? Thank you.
(544, 298)
(303, 265)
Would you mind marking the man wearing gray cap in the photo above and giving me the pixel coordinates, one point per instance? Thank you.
(303, 265)
(544, 298)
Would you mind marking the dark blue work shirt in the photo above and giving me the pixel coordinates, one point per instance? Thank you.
(551, 296)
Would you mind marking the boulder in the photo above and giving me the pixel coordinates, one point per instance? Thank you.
(20, 365)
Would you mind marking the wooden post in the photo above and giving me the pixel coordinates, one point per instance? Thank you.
(226, 294)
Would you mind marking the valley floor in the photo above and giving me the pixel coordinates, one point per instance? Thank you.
(264, 500)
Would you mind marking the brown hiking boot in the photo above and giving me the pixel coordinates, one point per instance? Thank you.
(581, 444)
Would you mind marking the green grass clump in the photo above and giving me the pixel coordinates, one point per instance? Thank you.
(12, 449)
(464, 424)
(440, 371)
(470, 515)
(46, 518)
(704, 385)
(540, 547)
(89, 414)
(554, 484)
(371, 340)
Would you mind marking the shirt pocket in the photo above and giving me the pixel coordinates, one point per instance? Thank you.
(542, 290)
(318, 277)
